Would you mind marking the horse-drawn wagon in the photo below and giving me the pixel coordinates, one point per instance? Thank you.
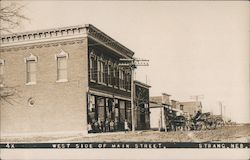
(201, 121)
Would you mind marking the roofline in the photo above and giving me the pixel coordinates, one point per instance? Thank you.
(160, 103)
(174, 100)
(191, 102)
(42, 30)
(61, 32)
(166, 94)
(90, 26)
(141, 83)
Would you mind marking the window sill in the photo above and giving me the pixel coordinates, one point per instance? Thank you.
(92, 81)
(122, 89)
(30, 83)
(102, 83)
(61, 80)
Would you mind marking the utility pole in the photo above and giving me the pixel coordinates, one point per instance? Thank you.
(132, 65)
(221, 113)
(225, 116)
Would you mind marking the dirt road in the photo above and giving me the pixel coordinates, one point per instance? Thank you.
(237, 133)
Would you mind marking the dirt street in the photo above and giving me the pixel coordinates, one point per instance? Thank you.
(237, 133)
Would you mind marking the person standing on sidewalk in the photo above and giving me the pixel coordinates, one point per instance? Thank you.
(126, 128)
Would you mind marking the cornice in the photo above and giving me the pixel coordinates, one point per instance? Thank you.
(144, 85)
(59, 34)
(42, 44)
(97, 34)
(42, 36)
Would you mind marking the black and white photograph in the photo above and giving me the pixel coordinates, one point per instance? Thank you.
(150, 76)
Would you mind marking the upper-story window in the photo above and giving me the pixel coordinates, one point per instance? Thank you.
(62, 64)
(109, 73)
(129, 81)
(115, 77)
(31, 69)
(121, 79)
(93, 68)
(1, 67)
(106, 68)
(101, 72)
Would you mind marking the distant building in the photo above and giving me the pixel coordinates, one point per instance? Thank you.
(161, 111)
(142, 106)
(175, 104)
(191, 107)
(164, 99)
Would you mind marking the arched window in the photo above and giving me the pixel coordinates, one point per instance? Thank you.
(1, 67)
(62, 62)
(31, 65)
(93, 67)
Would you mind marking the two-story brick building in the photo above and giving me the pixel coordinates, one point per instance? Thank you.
(65, 78)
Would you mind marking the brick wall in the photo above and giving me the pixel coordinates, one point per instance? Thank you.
(59, 106)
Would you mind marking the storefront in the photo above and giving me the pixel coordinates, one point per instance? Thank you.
(107, 114)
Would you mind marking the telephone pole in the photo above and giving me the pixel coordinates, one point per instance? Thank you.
(132, 64)
(221, 109)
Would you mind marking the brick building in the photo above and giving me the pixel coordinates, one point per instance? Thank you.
(65, 78)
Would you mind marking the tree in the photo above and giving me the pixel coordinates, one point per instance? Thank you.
(11, 16)
(7, 93)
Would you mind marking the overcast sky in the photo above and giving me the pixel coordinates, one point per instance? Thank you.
(194, 48)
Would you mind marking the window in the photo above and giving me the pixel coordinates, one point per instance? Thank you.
(110, 73)
(1, 71)
(106, 70)
(92, 104)
(181, 107)
(1, 67)
(121, 78)
(62, 60)
(100, 71)
(115, 77)
(31, 69)
(93, 69)
(129, 81)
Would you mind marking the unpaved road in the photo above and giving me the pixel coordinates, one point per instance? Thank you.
(237, 133)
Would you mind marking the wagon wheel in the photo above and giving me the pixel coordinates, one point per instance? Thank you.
(214, 124)
(211, 124)
(219, 123)
(200, 125)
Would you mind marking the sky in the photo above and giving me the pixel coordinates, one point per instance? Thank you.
(193, 48)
